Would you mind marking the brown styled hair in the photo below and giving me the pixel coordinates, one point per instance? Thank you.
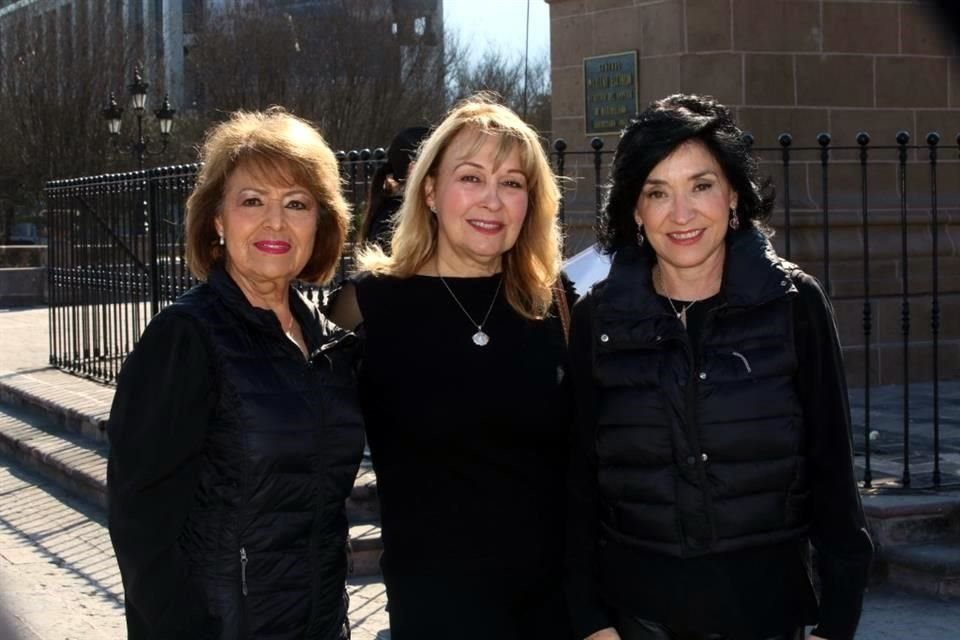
(273, 143)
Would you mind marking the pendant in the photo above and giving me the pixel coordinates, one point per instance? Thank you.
(480, 338)
(682, 317)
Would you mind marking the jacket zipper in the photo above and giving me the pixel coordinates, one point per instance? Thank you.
(243, 570)
(694, 415)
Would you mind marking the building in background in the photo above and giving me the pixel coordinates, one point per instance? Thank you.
(161, 35)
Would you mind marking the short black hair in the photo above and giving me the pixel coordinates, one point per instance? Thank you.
(655, 134)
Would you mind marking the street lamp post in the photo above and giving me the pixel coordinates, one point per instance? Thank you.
(140, 146)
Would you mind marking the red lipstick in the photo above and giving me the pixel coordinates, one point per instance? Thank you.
(272, 246)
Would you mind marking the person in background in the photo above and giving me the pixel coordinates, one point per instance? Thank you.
(463, 385)
(235, 431)
(386, 187)
(713, 438)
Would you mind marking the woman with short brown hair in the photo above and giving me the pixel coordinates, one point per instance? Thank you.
(235, 433)
(272, 141)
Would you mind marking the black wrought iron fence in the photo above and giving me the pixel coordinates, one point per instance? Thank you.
(868, 219)
(116, 257)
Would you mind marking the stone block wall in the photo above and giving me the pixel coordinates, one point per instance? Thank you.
(805, 67)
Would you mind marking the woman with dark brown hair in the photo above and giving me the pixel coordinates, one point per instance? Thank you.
(235, 433)
(713, 435)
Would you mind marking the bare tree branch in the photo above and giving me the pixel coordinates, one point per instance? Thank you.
(345, 70)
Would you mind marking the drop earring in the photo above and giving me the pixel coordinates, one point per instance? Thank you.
(734, 219)
(221, 239)
(640, 237)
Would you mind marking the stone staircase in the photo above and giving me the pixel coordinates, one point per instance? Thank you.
(55, 424)
(917, 540)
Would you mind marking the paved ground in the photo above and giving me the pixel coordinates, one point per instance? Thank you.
(24, 339)
(59, 581)
(887, 425)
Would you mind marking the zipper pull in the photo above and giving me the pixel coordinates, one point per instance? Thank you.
(243, 570)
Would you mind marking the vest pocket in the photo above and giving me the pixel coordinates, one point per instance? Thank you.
(743, 359)
(729, 366)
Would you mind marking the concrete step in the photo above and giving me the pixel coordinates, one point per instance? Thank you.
(365, 549)
(32, 433)
(932, 568)
(71, 461)
(61, 401)
(897, 519)
(363, 505)
(917, 540)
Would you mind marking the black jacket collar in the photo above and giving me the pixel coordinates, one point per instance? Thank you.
(753, 274)
(315, 329)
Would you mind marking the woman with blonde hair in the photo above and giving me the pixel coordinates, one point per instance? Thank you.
(235, 433)
(463, 385)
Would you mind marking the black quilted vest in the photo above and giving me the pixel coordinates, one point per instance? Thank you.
(700, 447)
(267, 534)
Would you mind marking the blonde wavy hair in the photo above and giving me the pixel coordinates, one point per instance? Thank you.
(532, 266)
(277, 145)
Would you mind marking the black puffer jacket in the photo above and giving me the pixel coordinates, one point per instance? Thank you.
(700, 447)
(239, 531)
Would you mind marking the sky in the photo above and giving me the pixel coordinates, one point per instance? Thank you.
(499, 24)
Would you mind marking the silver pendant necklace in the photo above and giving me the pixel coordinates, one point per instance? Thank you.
(682, 314)
(480, 338)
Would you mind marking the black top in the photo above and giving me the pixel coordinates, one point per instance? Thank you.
(766, 587)
(469, 443)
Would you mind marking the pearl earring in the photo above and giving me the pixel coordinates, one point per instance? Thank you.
(221, 240)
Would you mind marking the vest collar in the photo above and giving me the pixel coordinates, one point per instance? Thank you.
(236, 301)
(753, 274)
